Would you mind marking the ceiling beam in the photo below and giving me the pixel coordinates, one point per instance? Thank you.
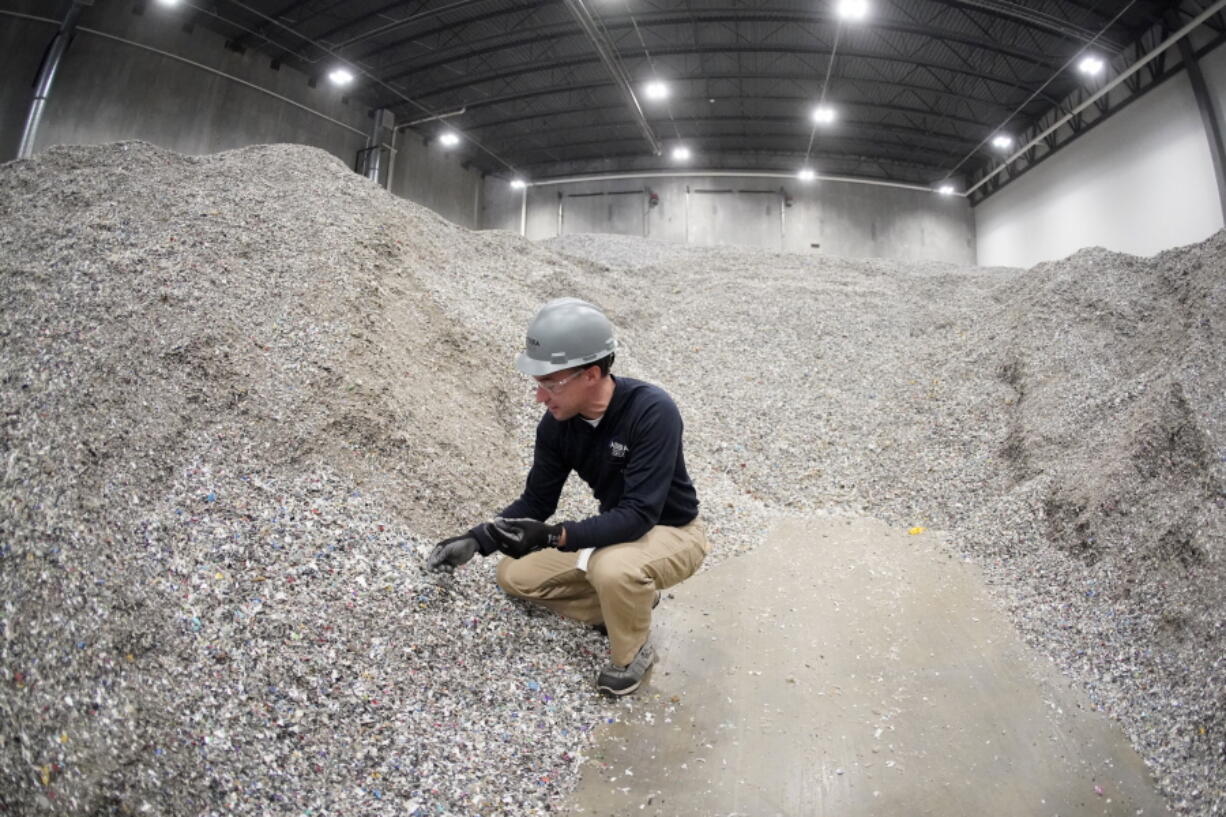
(850, 163)
(499, 41)
(244, 40)
(593, 116)
(800, 99)
(520, 69)
(1039, 19)
(738, 140)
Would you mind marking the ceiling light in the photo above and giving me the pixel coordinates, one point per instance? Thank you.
(1002, 142)
(681, 153)
(655, 90)
(807, 174)
(448, 139)
(340, 76)
(824, 115)
(168, 2)
(518, 184)
(852, 9)
(1091, 65)
(946, 190)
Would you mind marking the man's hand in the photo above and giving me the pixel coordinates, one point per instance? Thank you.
(451, 553)
(519, 537)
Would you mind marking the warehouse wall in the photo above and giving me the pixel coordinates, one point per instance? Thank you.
(108, 90)
(839, 218)
(436, 179)
(1141, 182)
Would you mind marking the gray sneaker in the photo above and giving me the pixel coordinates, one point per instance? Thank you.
(618, 681)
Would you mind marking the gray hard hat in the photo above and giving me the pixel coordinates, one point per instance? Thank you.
(565, 333)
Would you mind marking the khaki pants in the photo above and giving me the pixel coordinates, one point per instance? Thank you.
(619, 585)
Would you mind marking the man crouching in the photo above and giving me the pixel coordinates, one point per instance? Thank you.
(623, 438)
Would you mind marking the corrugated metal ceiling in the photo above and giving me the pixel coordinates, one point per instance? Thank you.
(919, 85)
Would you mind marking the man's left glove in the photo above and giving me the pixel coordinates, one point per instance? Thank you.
(451, 553)
(519, 537)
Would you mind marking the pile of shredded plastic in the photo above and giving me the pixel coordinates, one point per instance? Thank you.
(244, 393)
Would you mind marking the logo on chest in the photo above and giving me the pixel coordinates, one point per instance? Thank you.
(618, 450)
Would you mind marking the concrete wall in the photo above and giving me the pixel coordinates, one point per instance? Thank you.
(839, 218)
(430, 176)
(107, 90)
(1140, 182)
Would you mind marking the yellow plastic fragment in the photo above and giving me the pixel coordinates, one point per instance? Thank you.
(916, 531)
(45, 774)
(64, 738)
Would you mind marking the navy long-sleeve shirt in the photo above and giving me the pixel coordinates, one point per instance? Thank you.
(632, 460)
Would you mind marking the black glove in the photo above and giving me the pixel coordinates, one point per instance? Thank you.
(519, 537)
(451, 553)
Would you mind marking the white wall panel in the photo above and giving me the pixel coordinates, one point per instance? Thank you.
(835, 218)
(433, 177)
(620, 211)
(720, 216)
(1141, 182)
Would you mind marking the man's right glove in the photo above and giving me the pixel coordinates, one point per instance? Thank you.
(519, 537)
(451, 553)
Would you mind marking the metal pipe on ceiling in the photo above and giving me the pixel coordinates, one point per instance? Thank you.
(46, 76)
(1123, 75)
(608, 55)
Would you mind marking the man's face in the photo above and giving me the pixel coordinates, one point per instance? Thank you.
(564, 393)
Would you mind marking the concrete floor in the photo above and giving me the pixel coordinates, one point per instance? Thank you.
(846, 668)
